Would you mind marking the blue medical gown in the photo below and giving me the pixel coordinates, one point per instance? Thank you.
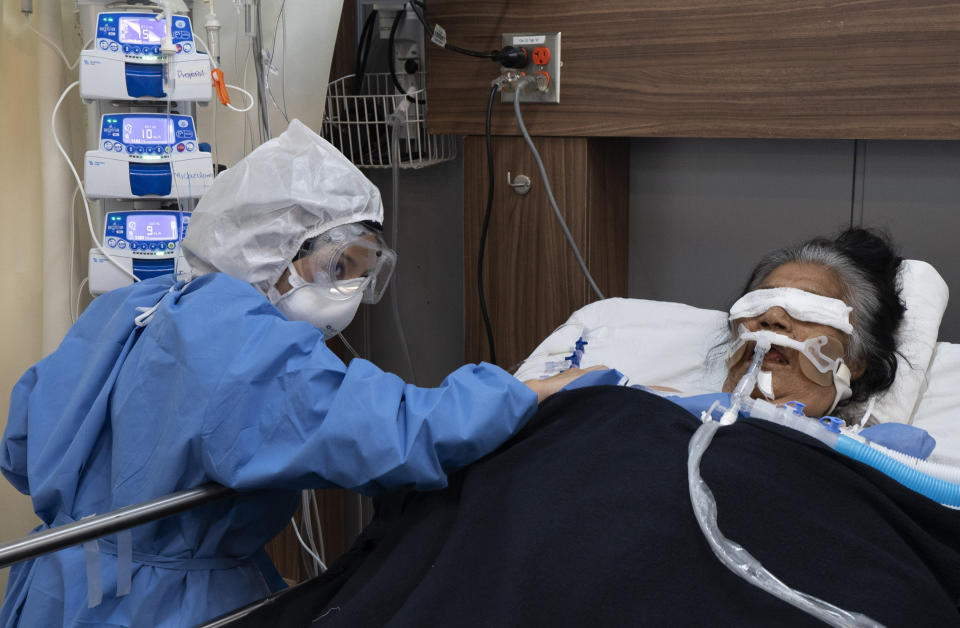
(218, 386)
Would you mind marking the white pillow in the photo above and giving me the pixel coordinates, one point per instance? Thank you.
(677, 346)
(937, 410)
(925, 294)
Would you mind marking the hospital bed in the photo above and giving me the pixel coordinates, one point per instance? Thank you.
(584, 518)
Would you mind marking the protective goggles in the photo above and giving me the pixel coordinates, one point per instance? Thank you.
(348, 260)
(800, 304)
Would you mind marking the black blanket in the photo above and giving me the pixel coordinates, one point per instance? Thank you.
(584, 519)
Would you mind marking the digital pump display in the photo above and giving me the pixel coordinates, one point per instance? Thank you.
(151, 227)
(148, 131)
(141, 30)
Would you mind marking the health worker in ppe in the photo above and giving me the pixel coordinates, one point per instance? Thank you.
(165, 385)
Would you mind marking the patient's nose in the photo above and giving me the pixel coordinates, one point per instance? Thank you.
(775, 319)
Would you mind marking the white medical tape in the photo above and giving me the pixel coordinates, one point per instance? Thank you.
(841, 380)
(91, 552)
(765, 384)
(124, 562)
(800, 304)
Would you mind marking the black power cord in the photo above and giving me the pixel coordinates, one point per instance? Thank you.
(486, 225)
(508, 56)
(391, 54)
(363, 49)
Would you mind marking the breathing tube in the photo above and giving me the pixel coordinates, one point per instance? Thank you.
(732, 555)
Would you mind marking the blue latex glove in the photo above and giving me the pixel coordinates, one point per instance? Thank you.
(901, 437)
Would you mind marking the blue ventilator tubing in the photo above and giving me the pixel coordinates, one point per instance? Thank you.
(941, 491)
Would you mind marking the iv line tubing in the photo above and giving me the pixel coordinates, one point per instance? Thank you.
(83, 193)
(395, 236)
(264, 112)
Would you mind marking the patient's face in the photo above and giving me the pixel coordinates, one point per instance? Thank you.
(789, 383)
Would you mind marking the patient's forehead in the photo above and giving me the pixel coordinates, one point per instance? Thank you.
(805, 276)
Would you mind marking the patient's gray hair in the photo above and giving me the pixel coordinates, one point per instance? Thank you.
(866, 265)
(857, 291)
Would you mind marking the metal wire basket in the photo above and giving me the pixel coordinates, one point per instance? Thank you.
(360, 122)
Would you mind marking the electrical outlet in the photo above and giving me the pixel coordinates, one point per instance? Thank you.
(543, 50)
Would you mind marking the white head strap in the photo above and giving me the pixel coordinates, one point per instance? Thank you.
(800, 304)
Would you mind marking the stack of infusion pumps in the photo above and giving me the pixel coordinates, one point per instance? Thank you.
(148, 168)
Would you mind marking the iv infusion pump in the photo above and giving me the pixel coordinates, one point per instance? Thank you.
(144, 242)
(125, 62)
(150, 155)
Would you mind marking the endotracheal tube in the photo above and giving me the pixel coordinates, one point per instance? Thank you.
(731, 554)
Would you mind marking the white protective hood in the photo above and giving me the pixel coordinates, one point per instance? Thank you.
(256, 215)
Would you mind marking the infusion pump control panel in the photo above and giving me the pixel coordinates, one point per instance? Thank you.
(146, 243)
(139, 35)
(147, 155)
(125, 62)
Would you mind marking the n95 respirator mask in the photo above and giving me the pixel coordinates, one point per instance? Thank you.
(334, 273)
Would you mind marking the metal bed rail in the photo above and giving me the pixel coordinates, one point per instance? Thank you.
(90, 528)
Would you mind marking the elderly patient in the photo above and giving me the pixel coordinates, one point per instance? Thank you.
(842, 289)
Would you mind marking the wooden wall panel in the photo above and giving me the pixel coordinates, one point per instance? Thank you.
(532, 280)
(866, 69)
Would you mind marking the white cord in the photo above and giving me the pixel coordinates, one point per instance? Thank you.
(305, 519)
(283, 64)
(349, 347)
(76, 312)
(866, 415)
(73, 245)
(316, 514)
(52, 44)
(173, 174)
(216, 141)
(247, 126)
(203, 43)
(393, 288)
(198, 39)
(83, 193)
(304, 545)
(273, 51)
(248, 94)
(553, 201)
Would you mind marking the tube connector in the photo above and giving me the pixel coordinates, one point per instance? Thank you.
(507, 77)
(167, 48)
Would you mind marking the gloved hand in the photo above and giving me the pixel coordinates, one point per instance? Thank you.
(546, 387)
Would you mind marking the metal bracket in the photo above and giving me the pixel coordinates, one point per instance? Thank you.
(520, 184)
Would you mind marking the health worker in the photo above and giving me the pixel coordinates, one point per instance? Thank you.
(165, 385)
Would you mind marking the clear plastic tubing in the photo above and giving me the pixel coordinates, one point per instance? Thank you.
(731, 554)
(740, 561)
